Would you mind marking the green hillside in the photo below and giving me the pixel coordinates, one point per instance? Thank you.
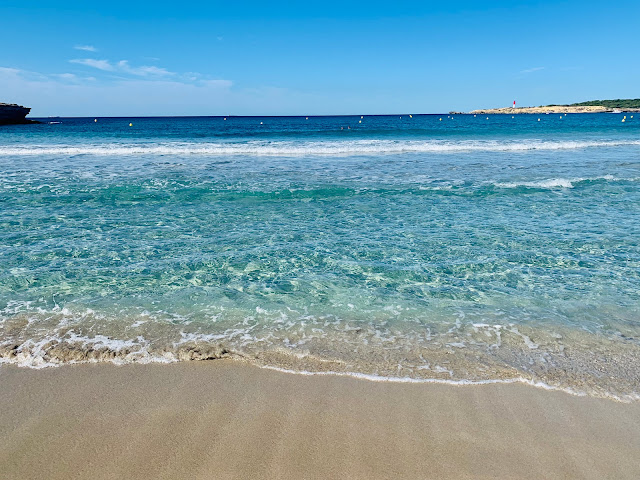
(619, 103)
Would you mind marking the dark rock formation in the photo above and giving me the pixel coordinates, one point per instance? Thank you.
(11, 114)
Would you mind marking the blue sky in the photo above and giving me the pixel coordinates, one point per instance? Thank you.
(274, 58)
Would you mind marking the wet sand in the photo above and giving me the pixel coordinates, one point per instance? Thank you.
(224, 419)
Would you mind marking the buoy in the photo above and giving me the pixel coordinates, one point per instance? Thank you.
(410, 116)
(440, 119)
(260, 123)
(362, 116)
(538, 119)
(623, 120)
(631, 116)
(225, 118)
(474, 116)
(307, 118)
(131, 124)
(359, 121)
(560, 117)
(95, 120)
(487, 118)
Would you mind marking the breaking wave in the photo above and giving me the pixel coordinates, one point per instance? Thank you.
(306, 148)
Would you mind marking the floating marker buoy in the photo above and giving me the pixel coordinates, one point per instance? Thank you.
(512, 116)
(131, 124)
(260, 123)
(440, 119)
(362, 116)
(631, 116)
(410, 116)
(487, 118)
(623, 120)
(474, 116)
(560, 117)
(307, 118)
(538, 119)
(225, 118)
(95, 120)
(359, 121)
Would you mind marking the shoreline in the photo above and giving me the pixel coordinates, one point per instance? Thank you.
(561, 359)
(226, 419)
(551, 109)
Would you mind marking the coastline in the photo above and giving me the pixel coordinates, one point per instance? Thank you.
(553, 109)
(226, 419)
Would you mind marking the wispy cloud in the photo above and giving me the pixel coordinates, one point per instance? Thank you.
(531, 70)
(123, 67)
(142, 71)
(86, 48)
(116, 94)
(91, 62)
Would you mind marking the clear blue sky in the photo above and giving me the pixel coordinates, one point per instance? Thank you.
(99, 58)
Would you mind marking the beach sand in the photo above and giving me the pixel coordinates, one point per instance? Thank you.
(225, 419)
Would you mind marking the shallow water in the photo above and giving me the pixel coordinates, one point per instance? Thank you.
(455, 249)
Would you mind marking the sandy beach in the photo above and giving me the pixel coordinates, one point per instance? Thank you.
(224, 419)
(547, 109)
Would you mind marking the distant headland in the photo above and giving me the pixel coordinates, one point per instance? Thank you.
(11, 114)
(593, 106)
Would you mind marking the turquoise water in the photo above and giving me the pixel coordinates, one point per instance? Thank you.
(461, 249)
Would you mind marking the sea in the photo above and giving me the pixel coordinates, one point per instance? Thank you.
(413, 248)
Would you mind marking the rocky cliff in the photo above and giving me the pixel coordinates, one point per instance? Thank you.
(11, 114)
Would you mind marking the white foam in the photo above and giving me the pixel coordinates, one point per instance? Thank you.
(32, 354)
(306, 148)
(556, 182)
(379, 378)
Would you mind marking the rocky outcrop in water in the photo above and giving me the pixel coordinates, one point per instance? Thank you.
(11, 114)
